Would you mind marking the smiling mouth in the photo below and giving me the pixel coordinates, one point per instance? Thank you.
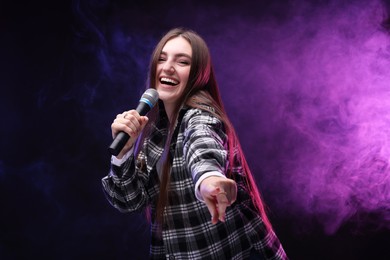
(169, 81)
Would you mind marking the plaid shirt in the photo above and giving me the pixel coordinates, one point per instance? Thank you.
(198, 146)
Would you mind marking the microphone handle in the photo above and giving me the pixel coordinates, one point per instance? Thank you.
(118, 143)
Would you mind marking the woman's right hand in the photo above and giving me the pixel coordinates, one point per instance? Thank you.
(131, 123)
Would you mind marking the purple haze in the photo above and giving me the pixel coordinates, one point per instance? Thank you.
(307, 88)
(310, 97)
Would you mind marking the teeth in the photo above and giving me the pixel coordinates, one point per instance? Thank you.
(168, 80)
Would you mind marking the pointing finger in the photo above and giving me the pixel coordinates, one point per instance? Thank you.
(211, 205)
(222, 203)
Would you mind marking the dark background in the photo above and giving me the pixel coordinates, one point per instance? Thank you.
(68, 67)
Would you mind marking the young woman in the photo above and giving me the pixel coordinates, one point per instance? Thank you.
(187, 166)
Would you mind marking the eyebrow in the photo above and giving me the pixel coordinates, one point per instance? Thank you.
(178, 55)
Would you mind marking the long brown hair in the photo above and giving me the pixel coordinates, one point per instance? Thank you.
(202, 89)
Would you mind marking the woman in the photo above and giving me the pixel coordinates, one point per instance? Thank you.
(187, 164)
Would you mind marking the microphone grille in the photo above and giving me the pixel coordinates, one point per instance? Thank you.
(151, 95)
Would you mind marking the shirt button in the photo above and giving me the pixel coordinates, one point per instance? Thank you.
(172, 257)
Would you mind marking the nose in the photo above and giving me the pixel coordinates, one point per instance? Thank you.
(168, 67)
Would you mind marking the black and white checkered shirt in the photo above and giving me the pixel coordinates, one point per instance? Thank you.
(199, 147)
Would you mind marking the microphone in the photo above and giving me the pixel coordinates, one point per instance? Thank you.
(147, 102)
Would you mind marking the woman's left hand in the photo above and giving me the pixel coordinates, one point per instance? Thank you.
(218, 193)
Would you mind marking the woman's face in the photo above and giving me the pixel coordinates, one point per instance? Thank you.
(173, 70)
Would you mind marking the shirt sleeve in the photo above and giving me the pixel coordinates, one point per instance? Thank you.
(118, 162)
(205, 147)
(126, 185)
